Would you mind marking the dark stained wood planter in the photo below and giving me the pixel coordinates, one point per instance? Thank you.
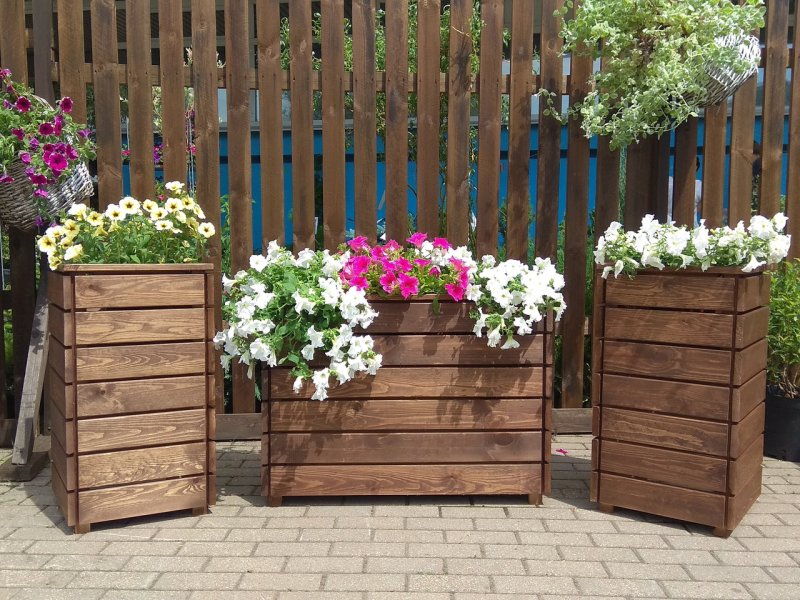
(130, 383)
(445, 414)
(678, 393)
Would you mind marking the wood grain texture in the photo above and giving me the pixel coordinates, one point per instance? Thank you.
(61, 324)
(420, 317)
(668, 362)
(683, 201)
(359, 480)
(122, 502)
(518, 200)
(67, 501)
(270, 94)
(746, 466)
(428, 106)
(405, 447)
(171, 52)
(705, 473)
(750, 361)
(364, 118)
(714, 149)
(396, 139)
(105, 81)
(63, 430)
(140, 98)
(142, 360)
(70, 56)
(664, 431)
(669, 327)
(640, 184)
(748, 396)
(61, 361)
(741, 502)
(744, 433)
(145, 464)
(458, 122)
(333, 134)
(432, 382)
(64, 466)
(60, 395)
(393, 415)
(753, 292)
(672, 291)
(140, 395)
(135, 291)
(136, 326)
(59, 290)
(132, 431)
(664, 500)
(489, 120)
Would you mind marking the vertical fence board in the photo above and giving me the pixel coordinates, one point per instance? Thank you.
(302, 125)
(21, 246)
(661, 177)
(740, 184)
(458, 122)
(683, 204)
(518, 201)
(716, 124)
(489, 126)
(43, 48)
(575, 242)
(428, 101)
(549, 152)
(364, 117)
(270, 120)
(237, 59)
(333, 142)
(396, 138)
(793, 183)
(641, 181)
(140, 98)
(108, 131)
(773, 108)
(607, 184)
(204, 70)
(71, 56)
(173, 128)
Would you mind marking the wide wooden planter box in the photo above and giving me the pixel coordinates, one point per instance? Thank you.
(678, 393)
(130, 383)
(445, 414)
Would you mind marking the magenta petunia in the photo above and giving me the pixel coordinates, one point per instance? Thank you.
(6, 178)
(34, 143)
(392, 246)
(360, 265)
(408, 285)
(84, 133)
(18, 133)
(5, 73)
(358, 243)
(56, 162)
(23, 104)
(66, 104)
(46, 129)
(359, 283)
(25, 157)
(441, 243)
(455, 291)
(422, 262)
(41, 193)
(417, 239)
(388, 282)
(434, 272)
(58, 125)
(37, 179)
(403, 264)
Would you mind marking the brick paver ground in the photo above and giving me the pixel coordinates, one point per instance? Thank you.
(419, 549)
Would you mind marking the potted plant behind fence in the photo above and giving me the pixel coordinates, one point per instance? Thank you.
(782, 427)
(663, 60)
(130, 367)
(418, 406)
(679, 359)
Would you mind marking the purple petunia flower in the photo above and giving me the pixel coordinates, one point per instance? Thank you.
(7, 104)
(23, 104)
(34, 143)
(84, 133)
(25, 157)
(41, 193)
(19, 133)
(6, 178)
(66, 104)
(39, 221)
(46, 129)
(37, 179)
(56, 162)
(5, 73)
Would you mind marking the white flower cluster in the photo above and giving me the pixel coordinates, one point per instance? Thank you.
(661, 245)
(512, 296)
(262, 312)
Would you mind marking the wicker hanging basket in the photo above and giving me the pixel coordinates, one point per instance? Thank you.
(18, 206)
(723, 81)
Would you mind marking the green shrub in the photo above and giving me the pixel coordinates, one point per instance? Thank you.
(783, 359)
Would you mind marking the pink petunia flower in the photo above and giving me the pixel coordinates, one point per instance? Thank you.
(46, 129)
(41, 193)
(360, 265)
(377, 252)
(25, 157)
(360, 283)
(455, 291)
(358, 243)
(34, 143)
(434, 272)
(441, 243)
(562, 451)
(388, 282)
(66, 104)
(422, 262)
(417, 239)
(18, 133)
(5, 73)
(56, 162)
(23, 104)
(392, 246)
(403, 264)
(408, 285)
(6, 178)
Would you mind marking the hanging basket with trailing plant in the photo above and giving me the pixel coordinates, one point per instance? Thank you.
(42, 157)
(663, 60)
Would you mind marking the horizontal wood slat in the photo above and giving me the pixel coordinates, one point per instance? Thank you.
(59, 290)
(63, 430)
(669, 362)
(142, 498)
(147, 360)
(420, 317)
(360, 480)
(746, 466)
(664, 500)
(67, 501)
(746, 431)
(139, 326)
(424, 414)
(146, 464)
(131, 431)
(668, 327)
(750, 361)
(668, 291)
(140, 395)
(59, 394)
(139, 291)
(429, 382)
(405, 447)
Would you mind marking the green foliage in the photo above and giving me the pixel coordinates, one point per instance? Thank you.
(783, 359)
(656, 53)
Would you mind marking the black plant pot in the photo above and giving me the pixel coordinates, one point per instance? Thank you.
(782, 427)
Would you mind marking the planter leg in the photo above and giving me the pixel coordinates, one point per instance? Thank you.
(83, 528)
(535, 499)
(274, 500)
(199, 510)
(606, 508)
(721, 532)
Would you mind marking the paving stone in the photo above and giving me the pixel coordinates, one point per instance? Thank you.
(458, 549)
(397, 564)
(706, 589)
(197, 581)
(368, 549)
(234, 595)
(449, 583)
(509, 525)
(627, 570)
(292, 549)
(758, 559)
(324, 564)
(67, 547)
(565, 568)
(598, 554)
(55, 594)
(113, 580)
(148, 548)
(625, 540)
(336, 535)
(86, 562)
(390, 582)
(439, 523)
(12, 578)
(785, 574)
(773, 591)
(631, 588)
(512, 584)
(410, 535)
(408, 596)
(772, 544)
(262, 535)
(180, 564)
(475, 512)
(480, 537)
(563, 526)
(741, 574)
(217, 549)
(520, 551)
(281, 581)
(370, 523)
(320, 596)
(202, 535)
(242, 564)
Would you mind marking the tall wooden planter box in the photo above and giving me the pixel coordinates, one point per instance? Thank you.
(130, 383)
(445, 414)
(678, 393)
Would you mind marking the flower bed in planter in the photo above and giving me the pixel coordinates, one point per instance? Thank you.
(678, 393)
(443, 415)
(130, 384)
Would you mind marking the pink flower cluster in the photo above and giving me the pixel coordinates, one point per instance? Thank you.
(422, 267)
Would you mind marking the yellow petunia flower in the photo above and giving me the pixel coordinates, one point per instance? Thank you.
(73, 252)
(162, 225)
(158, 213)
(47, 244)
(173, 204)
(188, 202)
(180, 216)
(130, 205)
(149, 205)
(115, 213)
(71, 227)
(95, 219)
(206, 230)
(198, 212)
(54, 261)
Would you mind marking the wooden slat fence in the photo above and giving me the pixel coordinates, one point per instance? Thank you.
(246, 37)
